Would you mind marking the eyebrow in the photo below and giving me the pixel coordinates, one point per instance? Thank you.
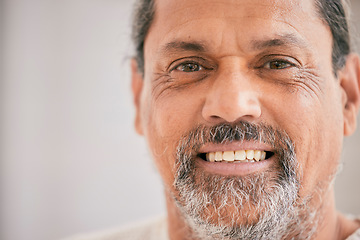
(184, 46)
(280, 40)
(256, 45)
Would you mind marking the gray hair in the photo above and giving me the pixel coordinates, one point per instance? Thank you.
(142, 18)
(335, 14)
(332, 12)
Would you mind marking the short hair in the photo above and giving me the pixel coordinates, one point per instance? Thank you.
(144, 11)
(334, 13)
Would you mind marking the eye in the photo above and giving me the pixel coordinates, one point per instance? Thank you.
(278, 64)
(189, 67)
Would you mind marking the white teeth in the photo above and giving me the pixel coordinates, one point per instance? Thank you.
(236, 156)
(250, 154)
(229, 156)
(257, 155)
(211, 157)
(218, 156)
(263, 156)
(240, 155)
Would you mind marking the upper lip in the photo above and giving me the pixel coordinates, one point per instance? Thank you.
(235, 146)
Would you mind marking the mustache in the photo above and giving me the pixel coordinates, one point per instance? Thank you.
(239, 131)
(283, 147)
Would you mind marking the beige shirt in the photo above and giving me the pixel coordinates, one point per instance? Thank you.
(155, 229)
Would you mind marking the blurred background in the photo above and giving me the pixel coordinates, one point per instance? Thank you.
(70, 160)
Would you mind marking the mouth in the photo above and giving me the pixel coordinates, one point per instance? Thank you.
(238, 156)
(235, 159)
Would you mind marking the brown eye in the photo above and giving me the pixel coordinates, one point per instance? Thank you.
(189, 67)
(278, 64)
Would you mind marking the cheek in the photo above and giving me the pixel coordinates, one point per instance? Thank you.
(314, 123)
(166, 119)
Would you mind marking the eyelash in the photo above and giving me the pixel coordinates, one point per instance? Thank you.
(183, 64)
(288, 64)
(282, 59)
(195, 60)
(267, 65)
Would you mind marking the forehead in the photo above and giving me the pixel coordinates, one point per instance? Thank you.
(234, 22)
(233, 8)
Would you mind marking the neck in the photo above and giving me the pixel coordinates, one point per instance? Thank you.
(332, 226)
(177, 227)
(329, 225)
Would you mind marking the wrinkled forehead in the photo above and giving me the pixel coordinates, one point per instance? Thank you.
(234, 21)
(175, 12)
(234, 8)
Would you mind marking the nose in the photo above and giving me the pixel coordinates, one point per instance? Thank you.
(231, 97)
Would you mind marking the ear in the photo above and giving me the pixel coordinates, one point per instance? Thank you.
(136, 86)
(350, 82)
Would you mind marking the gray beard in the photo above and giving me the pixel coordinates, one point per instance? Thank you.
(259, 206)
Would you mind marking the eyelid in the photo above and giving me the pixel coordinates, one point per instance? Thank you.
(267, 64)
(186, 60)
(185, 63)
(281, 58)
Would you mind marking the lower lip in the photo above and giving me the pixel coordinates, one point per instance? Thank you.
(234, 168)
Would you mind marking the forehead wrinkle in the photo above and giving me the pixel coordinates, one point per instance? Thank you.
(196, 42)
(202, 45)
(279, 40)
(170, 8)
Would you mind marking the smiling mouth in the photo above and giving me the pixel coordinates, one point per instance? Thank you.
(239, 156)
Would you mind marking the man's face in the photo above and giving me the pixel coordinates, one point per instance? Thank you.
(260, 62)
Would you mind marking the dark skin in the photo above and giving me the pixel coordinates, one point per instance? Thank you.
(211, 62)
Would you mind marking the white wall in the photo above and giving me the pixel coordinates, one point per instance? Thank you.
(70, 159)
